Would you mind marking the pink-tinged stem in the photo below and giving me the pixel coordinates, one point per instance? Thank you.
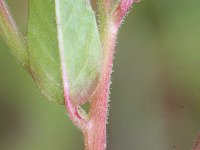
(196, 145)
(95, 137)
(94, 128)
(122, 10)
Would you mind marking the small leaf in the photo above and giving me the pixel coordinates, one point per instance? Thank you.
(12, 36)
(64, 33)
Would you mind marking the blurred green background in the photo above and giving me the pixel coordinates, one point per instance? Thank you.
(155, 96)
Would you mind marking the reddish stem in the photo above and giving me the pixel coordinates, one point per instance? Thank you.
(122, 10)
(196, 145)
(94, 128)
(95, 137)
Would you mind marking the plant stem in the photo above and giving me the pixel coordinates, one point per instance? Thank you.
(95, 136)
(93, 125)
(196, 145)
(94, 128)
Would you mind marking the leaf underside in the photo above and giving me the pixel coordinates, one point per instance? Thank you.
(81, 43)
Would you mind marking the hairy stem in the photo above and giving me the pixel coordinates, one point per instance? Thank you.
(12, 36)
(196, 145)
(95, 137)
(94, 128)
(110, 20)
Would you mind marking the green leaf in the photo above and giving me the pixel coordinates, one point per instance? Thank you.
(12, 36)
(64, 33)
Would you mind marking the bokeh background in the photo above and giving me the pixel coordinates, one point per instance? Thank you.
(155, 96)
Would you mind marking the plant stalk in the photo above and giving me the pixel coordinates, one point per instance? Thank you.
(95, 135)
(196, 145)
(94, 128)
